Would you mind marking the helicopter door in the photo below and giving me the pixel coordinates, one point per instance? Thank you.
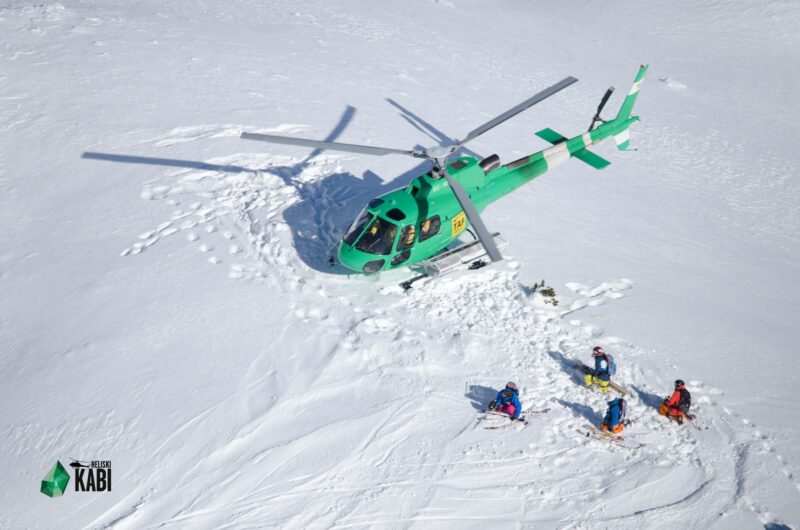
(406, 238)
(404, 243)
(429, 227)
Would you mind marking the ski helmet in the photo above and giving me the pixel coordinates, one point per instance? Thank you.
(679, 382)
(511, 385)
(597, 352)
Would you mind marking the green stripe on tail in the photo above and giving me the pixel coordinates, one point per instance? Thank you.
(622, 136)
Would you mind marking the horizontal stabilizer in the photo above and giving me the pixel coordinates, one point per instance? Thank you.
(584, 154)
(597, 162)
(551, 136)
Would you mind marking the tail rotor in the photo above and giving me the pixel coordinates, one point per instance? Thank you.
(602, 104)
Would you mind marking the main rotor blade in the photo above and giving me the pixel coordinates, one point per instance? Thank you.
(510, 113)
(475, 220)
(353, 148)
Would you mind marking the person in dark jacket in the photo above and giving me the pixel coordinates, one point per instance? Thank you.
(507, 401)
(677, 405)
(614, 420)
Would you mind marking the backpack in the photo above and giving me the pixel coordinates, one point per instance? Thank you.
(623, 409)
(612, 366)
(686, 400)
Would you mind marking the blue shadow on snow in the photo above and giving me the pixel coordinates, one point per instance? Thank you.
(568, 366)
(583, 410)
(648, 399)
(480, 396)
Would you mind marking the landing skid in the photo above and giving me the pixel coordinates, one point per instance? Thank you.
(470, 256)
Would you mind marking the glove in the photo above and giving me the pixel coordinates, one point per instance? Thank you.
(492, 405)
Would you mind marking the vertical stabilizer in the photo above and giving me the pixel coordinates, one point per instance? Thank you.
(622, 135)
(627, 105)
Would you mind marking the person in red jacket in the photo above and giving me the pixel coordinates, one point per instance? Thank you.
(677, 405)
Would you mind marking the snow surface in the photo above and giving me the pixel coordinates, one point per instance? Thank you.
(166, 304)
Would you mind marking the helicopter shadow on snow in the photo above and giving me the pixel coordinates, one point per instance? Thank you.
(327, 205)
(316, 221)
(480, 396)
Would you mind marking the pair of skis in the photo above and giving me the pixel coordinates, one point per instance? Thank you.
(522, 419)
(590, 431)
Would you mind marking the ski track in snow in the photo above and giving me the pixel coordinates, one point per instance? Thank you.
(395, 463)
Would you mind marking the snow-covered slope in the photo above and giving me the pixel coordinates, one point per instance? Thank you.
(167, 304)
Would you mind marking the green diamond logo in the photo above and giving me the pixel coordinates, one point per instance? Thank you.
(55, 482)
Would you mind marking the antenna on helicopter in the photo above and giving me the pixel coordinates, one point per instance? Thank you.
(600, 107)
(438, 155)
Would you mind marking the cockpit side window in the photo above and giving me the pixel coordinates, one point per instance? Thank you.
(378, 238)
(406, 238)
(429, 227)
(357, 227)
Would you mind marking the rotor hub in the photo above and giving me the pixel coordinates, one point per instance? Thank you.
(438, 152)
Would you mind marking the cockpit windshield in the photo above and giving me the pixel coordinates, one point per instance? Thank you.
(378, 238)
(357, 226)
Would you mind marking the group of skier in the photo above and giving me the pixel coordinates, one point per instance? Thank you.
(675, 406)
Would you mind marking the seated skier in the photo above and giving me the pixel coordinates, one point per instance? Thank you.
(602, 368)
(507, 401)
(677, 405)
(614, 420)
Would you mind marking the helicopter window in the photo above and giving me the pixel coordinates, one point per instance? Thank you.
(378, 237)
(357, 227)
(374, 203)
(429, 228)
(395, 214)
(406, 238)
(400, 258)
(458, 164)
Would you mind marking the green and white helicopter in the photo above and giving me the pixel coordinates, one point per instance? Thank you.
(424, 218)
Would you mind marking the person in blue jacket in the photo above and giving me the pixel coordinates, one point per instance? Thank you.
(507, 401)
(602, 367)
(614, 420)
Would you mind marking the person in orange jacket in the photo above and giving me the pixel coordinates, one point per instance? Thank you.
(677, 405)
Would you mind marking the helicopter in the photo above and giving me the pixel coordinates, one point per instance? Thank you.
(421, 220)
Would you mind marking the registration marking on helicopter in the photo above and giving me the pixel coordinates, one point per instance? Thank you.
(437, 184)
(459, 223)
